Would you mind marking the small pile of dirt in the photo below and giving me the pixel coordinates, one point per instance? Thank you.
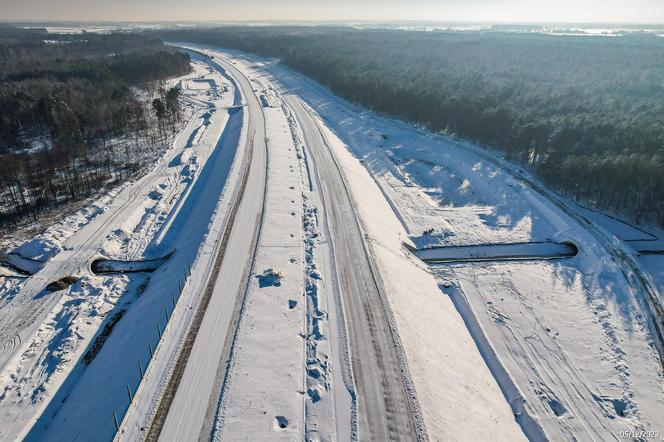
(61, 284)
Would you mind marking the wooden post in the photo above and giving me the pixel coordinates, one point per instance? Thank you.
(115, 420)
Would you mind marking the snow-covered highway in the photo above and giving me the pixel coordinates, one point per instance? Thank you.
(188, 404)
(302, 312)
(388, 407)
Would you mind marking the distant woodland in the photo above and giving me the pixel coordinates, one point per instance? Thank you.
(585, 113)
(77, 112)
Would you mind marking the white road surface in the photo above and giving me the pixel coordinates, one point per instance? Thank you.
(387, 406)
(188, 415)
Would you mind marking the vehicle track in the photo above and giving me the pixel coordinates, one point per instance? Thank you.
(178, 372)
(630, 268)
(388, 408)
(216, 401)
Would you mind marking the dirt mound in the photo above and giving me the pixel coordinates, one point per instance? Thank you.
(61, 284)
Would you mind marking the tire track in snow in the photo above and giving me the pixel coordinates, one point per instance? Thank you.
(379, 362)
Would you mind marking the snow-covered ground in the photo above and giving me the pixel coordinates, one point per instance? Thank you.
(581, 373)
(47, 374)
(261, 386)
(331, 400)
(191, 228)
(503, 351)
(604, 374)
(459, 398)
(464, 392)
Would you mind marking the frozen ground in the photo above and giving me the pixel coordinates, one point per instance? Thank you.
(191, 228)
(579, 373)
(261, 386)
(464, 391)
(444, 194)
(46, 361)
(436, 342)
(343, 333)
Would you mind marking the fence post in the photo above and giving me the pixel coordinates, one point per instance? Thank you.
(129, 394)
(158, 330)
(140, 369)
(150, 348)
(115, 420)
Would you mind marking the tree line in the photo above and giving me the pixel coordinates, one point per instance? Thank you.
(79, 112)
(585, 113)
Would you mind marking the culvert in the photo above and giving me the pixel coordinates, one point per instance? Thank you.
(498, 252)
(102, 266)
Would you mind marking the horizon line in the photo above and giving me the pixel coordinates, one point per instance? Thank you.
(322, 22)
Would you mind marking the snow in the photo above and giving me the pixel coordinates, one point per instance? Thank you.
(49, 371)
(47, 244)
(266, 378)
(504, 351)
(331, 408)
(581, 374)
(67, 331)
(437, 344)
(444, 193)
(190, 228)
(197, 228)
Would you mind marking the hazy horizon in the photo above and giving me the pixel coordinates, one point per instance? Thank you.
(468, 11)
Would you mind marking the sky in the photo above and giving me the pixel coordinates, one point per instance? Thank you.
(476, 11)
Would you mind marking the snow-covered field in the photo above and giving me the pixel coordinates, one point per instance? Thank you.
(541, 349)
(580, 373)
